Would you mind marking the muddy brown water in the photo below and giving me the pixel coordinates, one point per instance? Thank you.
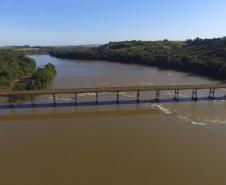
(146, 143)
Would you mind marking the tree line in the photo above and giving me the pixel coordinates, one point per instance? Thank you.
(202, 56)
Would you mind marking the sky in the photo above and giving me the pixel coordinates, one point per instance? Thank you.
(75, 22)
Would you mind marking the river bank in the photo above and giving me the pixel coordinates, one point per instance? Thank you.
(204, 57)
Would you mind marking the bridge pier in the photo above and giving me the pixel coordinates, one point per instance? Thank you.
(117, 98)
(157, 97)
(54, 100)
(32, 100)
(176, 96)
(138, 96)
(11, 102)
(212, 94)
(195, 95)
(96, 97)
(76, 99)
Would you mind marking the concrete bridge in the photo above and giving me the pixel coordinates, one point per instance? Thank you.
(12, 95)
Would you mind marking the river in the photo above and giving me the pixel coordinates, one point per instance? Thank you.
(148, 143)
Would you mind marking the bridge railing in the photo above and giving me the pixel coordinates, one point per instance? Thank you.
(157, 88)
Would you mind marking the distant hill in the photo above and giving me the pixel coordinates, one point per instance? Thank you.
(42, 49)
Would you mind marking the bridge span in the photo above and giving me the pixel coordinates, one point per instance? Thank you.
(12, 95)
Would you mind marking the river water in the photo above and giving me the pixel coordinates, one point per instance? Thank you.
(148, 143)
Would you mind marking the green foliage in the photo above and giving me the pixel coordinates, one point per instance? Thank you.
(18, 72)
(19, 86)
(13, 67)
(43, 77)
(202, 56)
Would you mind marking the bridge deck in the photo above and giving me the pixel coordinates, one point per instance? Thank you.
(112, 89)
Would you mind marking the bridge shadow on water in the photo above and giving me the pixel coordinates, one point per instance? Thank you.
(108, 103)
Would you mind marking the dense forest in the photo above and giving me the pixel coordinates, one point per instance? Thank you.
(13, 67)
(202, 56)
(19, 72)
(42, 77)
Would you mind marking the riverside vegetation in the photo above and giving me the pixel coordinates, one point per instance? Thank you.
(201, 56)
(19, 72)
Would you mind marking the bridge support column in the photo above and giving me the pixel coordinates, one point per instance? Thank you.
(212, 94)
(138, 96)
(11, 102)
(117, 98)
(76, 99)
(176, 96)
(195, 95)
(157, 98)
(96, 97)
(32, 100)
(54, 100)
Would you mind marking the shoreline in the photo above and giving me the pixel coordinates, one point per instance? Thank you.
(210, 77)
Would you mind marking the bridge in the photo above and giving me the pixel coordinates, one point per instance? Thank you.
(12, 95)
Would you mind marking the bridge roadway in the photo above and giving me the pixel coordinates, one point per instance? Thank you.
(113, 89)
(138, 89)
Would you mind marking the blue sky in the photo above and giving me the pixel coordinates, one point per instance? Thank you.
(72, 22)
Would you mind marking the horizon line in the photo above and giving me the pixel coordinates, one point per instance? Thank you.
(99, 44)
